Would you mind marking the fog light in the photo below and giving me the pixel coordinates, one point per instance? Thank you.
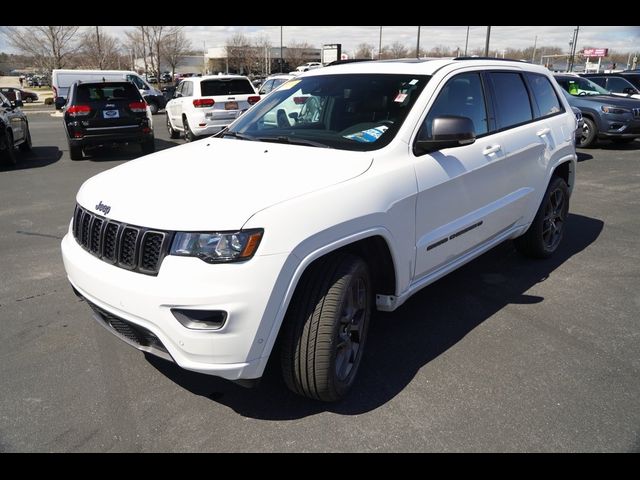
(200, 319)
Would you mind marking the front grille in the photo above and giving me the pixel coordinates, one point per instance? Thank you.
(126, 246)
(139, 336)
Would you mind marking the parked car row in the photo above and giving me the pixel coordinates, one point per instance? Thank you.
(606, 115)
(25, 96)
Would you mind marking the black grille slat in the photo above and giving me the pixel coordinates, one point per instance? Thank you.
(126, 246)
(110, 241)
(127, 257)
(151, 249)
(86, 222)
(96, 235)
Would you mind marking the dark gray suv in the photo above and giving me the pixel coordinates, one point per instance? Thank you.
(605, 115)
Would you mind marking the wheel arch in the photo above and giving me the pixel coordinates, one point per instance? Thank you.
(372, 244)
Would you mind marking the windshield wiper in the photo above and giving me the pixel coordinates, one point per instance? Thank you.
(241, 136)
(293, 141)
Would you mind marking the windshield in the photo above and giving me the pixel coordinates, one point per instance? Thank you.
(349, 112)
(582, 86)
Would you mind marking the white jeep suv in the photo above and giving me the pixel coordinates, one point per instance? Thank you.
(209, 253)
(205, 105)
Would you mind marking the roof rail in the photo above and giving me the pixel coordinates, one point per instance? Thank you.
(492, 58)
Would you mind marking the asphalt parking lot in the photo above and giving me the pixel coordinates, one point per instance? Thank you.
(506, 354)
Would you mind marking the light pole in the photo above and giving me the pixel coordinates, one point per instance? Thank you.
(486, 45)
(535, 44)
(281, 56)
(380, 45)
(418, 45)
(466, 43)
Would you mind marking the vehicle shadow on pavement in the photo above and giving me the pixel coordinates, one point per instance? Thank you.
(635, 145)
(124, 152)
(402, 342)
(583, 157)
(36, 158)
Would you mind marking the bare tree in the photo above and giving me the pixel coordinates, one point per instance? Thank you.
(297, 53)
(398, 50)
(99, 49)
(50, 46)
(238, 53)
(174, 47)
(364, 50)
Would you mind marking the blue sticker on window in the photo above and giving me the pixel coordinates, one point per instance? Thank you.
(368, 136)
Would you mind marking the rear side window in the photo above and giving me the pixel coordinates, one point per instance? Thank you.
(462, 96)
(511, 99)
(187, 89)
(544, 95)
(213, 88)
(617, 85)
(107, 92)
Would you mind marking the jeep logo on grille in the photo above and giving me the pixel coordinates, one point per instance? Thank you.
(101, 207)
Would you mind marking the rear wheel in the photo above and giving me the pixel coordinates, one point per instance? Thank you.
(547, 229)
(26, 145)
(173, 133)
(153, 106)
(188, 134)
(29, 100)
(8, 155)
(589, 133)
(326, 328)
(75, 152)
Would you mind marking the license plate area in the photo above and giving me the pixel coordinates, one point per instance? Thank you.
(110, 114)
(231, 106)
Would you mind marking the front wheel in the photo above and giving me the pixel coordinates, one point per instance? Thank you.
(8, 155)
(173, 133)
(326, 328)
(589, 133)
(547, 229)
(75, 152)
(153, 106)
(26, 145)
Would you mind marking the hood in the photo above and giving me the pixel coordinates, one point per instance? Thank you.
(615, 100)
(215, 184)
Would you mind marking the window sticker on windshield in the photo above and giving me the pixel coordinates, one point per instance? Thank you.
(368, 136)
(414, 81)
(290, 84)
(401, 98)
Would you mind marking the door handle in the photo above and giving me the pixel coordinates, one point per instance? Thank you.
(490, 150)
(543, 132)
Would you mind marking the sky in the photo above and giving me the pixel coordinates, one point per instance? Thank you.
(621, 38)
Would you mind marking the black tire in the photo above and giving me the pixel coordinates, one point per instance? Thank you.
(29, 100)
(622, 141)
(589, 134)
(326, 327)
(544, 235)
(26, 145)
(148, 146)
(8, 155)
(75, 152)
(153, 106)
(188, 134)
(173, 133)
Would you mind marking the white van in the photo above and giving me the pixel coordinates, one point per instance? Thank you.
(61, 80)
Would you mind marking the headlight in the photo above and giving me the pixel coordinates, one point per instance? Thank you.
(217, 247)
(614, 110)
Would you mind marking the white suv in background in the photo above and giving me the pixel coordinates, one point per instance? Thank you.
(293, 231)
(205, 105)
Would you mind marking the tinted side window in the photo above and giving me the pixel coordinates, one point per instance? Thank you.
(618, 85)
(462, 96)
(187, 89)
(511, 99)
(544, 95)
(599, 80)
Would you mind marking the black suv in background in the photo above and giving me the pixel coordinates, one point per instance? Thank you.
(14, 130)
(617, 83)
(605, 115)
(106, 113)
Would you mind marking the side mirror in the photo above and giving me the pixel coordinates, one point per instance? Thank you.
(630, 91)
(294, 115)
(448, 131)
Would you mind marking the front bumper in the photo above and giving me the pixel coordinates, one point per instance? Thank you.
(243, 290)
